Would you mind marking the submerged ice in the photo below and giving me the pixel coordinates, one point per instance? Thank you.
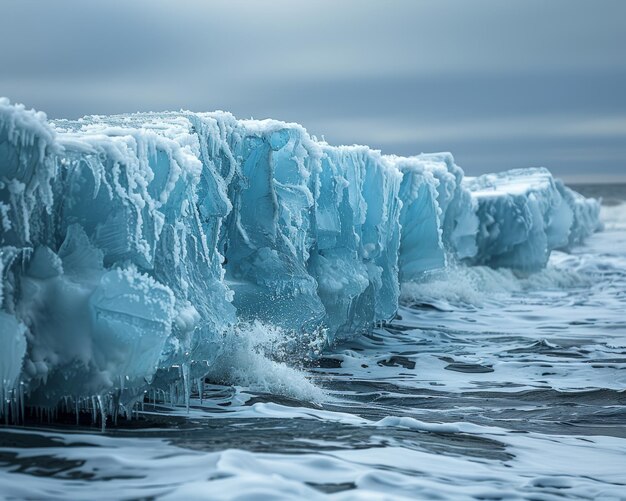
(134, 247)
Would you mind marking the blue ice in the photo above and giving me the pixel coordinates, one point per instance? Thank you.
(132, 246)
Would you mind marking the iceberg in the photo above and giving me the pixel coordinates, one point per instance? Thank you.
(524, 214)
(134, 246)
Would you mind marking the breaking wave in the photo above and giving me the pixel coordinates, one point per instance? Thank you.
(268, 359)
(463, 285)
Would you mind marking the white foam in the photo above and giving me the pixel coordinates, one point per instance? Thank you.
(614, 217)
(464, 285)
(538, 466)
(255, 356)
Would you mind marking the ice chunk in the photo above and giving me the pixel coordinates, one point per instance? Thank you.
(132, 317)
(422, 248)
(439, 215)
(524, 214)
(160, 207)
(337, 257)
(125, 198)
(458, 219)
(355, 259)
(267, 237)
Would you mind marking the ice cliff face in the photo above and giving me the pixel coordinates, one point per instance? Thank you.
(524, 214)
(132, 246)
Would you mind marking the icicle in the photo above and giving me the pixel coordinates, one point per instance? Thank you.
(13, 406)
(116, 404)
(186, 387)
(201, 389)
(93, 410)
(5, 407)
(22, 409)
(103, 419)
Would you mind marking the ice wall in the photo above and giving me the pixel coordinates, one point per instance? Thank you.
(422, 248)
(459, 222)
(355, 259)
(114, 268)
(133, 246)
(438, 218)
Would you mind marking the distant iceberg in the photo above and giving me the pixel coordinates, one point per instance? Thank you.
(524, 214)
(133, 245)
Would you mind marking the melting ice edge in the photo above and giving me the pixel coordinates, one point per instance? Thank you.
(134, 246)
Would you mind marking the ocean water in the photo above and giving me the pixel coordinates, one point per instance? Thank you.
(486, 385)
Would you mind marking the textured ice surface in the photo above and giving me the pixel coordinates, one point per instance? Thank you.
(458, 221)
(439, 220)
(355, 255)
(585, 216)
(422, 247)
(133, 247)
(524, 214)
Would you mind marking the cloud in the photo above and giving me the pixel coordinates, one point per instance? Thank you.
(538, 77)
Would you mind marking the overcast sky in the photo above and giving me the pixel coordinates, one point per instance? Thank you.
(501, 84)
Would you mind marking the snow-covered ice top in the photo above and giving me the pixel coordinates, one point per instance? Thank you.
(133, 247)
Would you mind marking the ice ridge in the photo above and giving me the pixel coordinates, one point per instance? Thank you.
(132, 246)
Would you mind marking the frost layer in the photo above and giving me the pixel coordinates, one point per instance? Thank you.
(133, 246)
